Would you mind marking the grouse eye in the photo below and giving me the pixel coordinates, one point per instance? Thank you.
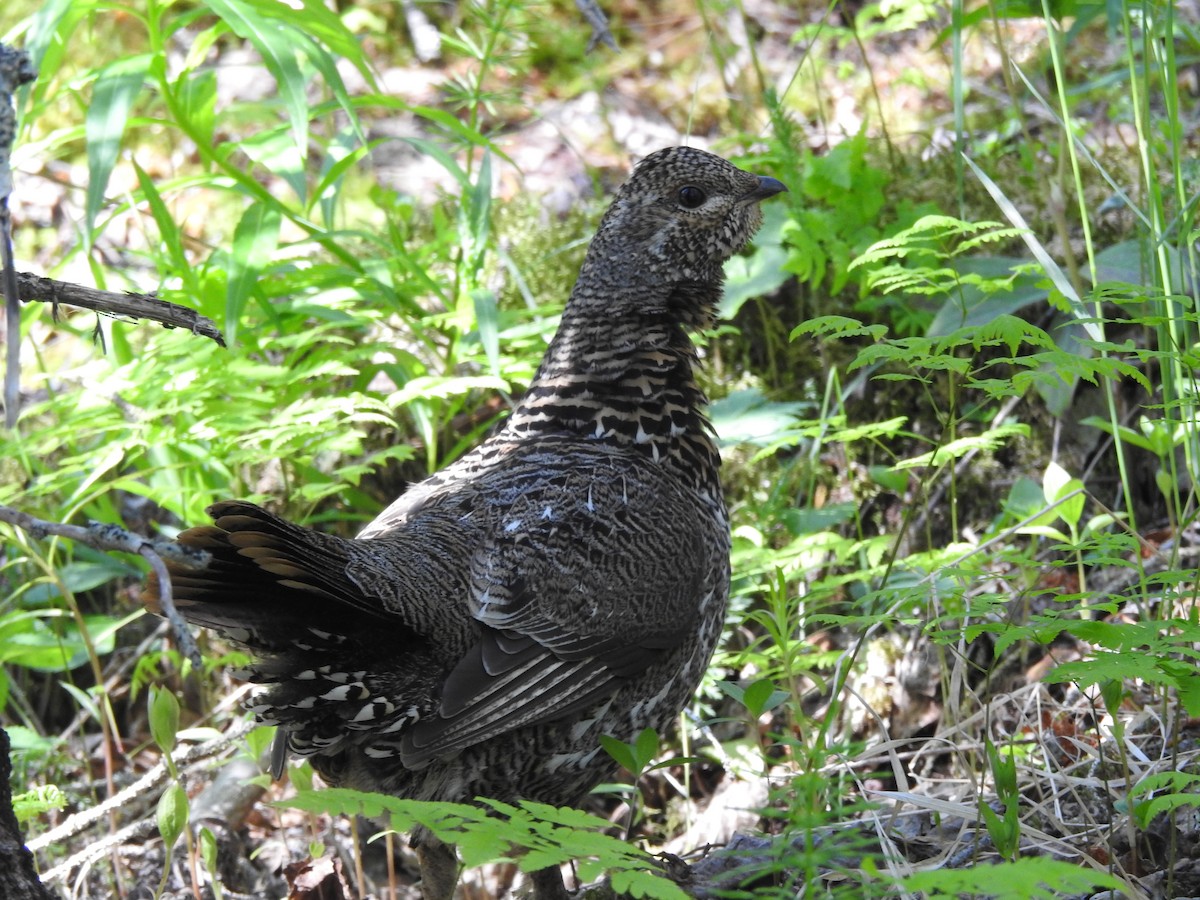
(691, 197)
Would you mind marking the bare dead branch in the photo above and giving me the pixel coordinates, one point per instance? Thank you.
(107, 537)
(137, 306)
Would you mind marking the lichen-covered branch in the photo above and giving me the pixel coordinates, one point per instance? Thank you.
(105, 537)
(15, 70)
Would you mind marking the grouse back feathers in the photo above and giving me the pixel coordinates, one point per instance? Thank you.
(564, 580)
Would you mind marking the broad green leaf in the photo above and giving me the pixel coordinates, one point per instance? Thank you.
(647, 747)
(117, 86)
(172, 813)
(762, 696)
(277, 42)
(748, 417)
(208, 850)
(624, 754)
(168, 229)
(34, 641)
(1038, 530)
(164, 718)
(196, 97)
(254, 242)
(1057, 484)
(52, 19)
(487, 321)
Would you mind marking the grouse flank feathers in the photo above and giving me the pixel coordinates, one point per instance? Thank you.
(564, 580)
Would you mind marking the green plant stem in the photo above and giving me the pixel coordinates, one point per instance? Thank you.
(957, 98)
(1174, 332)
(1098, 312)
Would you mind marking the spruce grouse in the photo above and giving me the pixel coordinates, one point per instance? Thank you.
(565, 580)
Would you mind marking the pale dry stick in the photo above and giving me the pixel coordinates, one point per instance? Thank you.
(884, 824)
(81, 821)
(889, 750)
(390, 847)
(91, 854)
(359, 875)
(893, 760)
(968, 813)
(1091, 830)
(105, 537)
(1058, 780)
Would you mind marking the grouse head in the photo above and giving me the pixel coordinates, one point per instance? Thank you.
(662, 244)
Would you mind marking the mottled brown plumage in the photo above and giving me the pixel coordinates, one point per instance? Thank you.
(564, 580)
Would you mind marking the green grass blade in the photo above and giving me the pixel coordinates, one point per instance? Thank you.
(254, 241)
(116, 88)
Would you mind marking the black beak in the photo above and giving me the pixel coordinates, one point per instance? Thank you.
(767, 187)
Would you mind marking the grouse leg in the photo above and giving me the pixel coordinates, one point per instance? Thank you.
(548, 884)
(439, 869)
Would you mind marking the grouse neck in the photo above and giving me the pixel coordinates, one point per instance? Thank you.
(627, 380)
